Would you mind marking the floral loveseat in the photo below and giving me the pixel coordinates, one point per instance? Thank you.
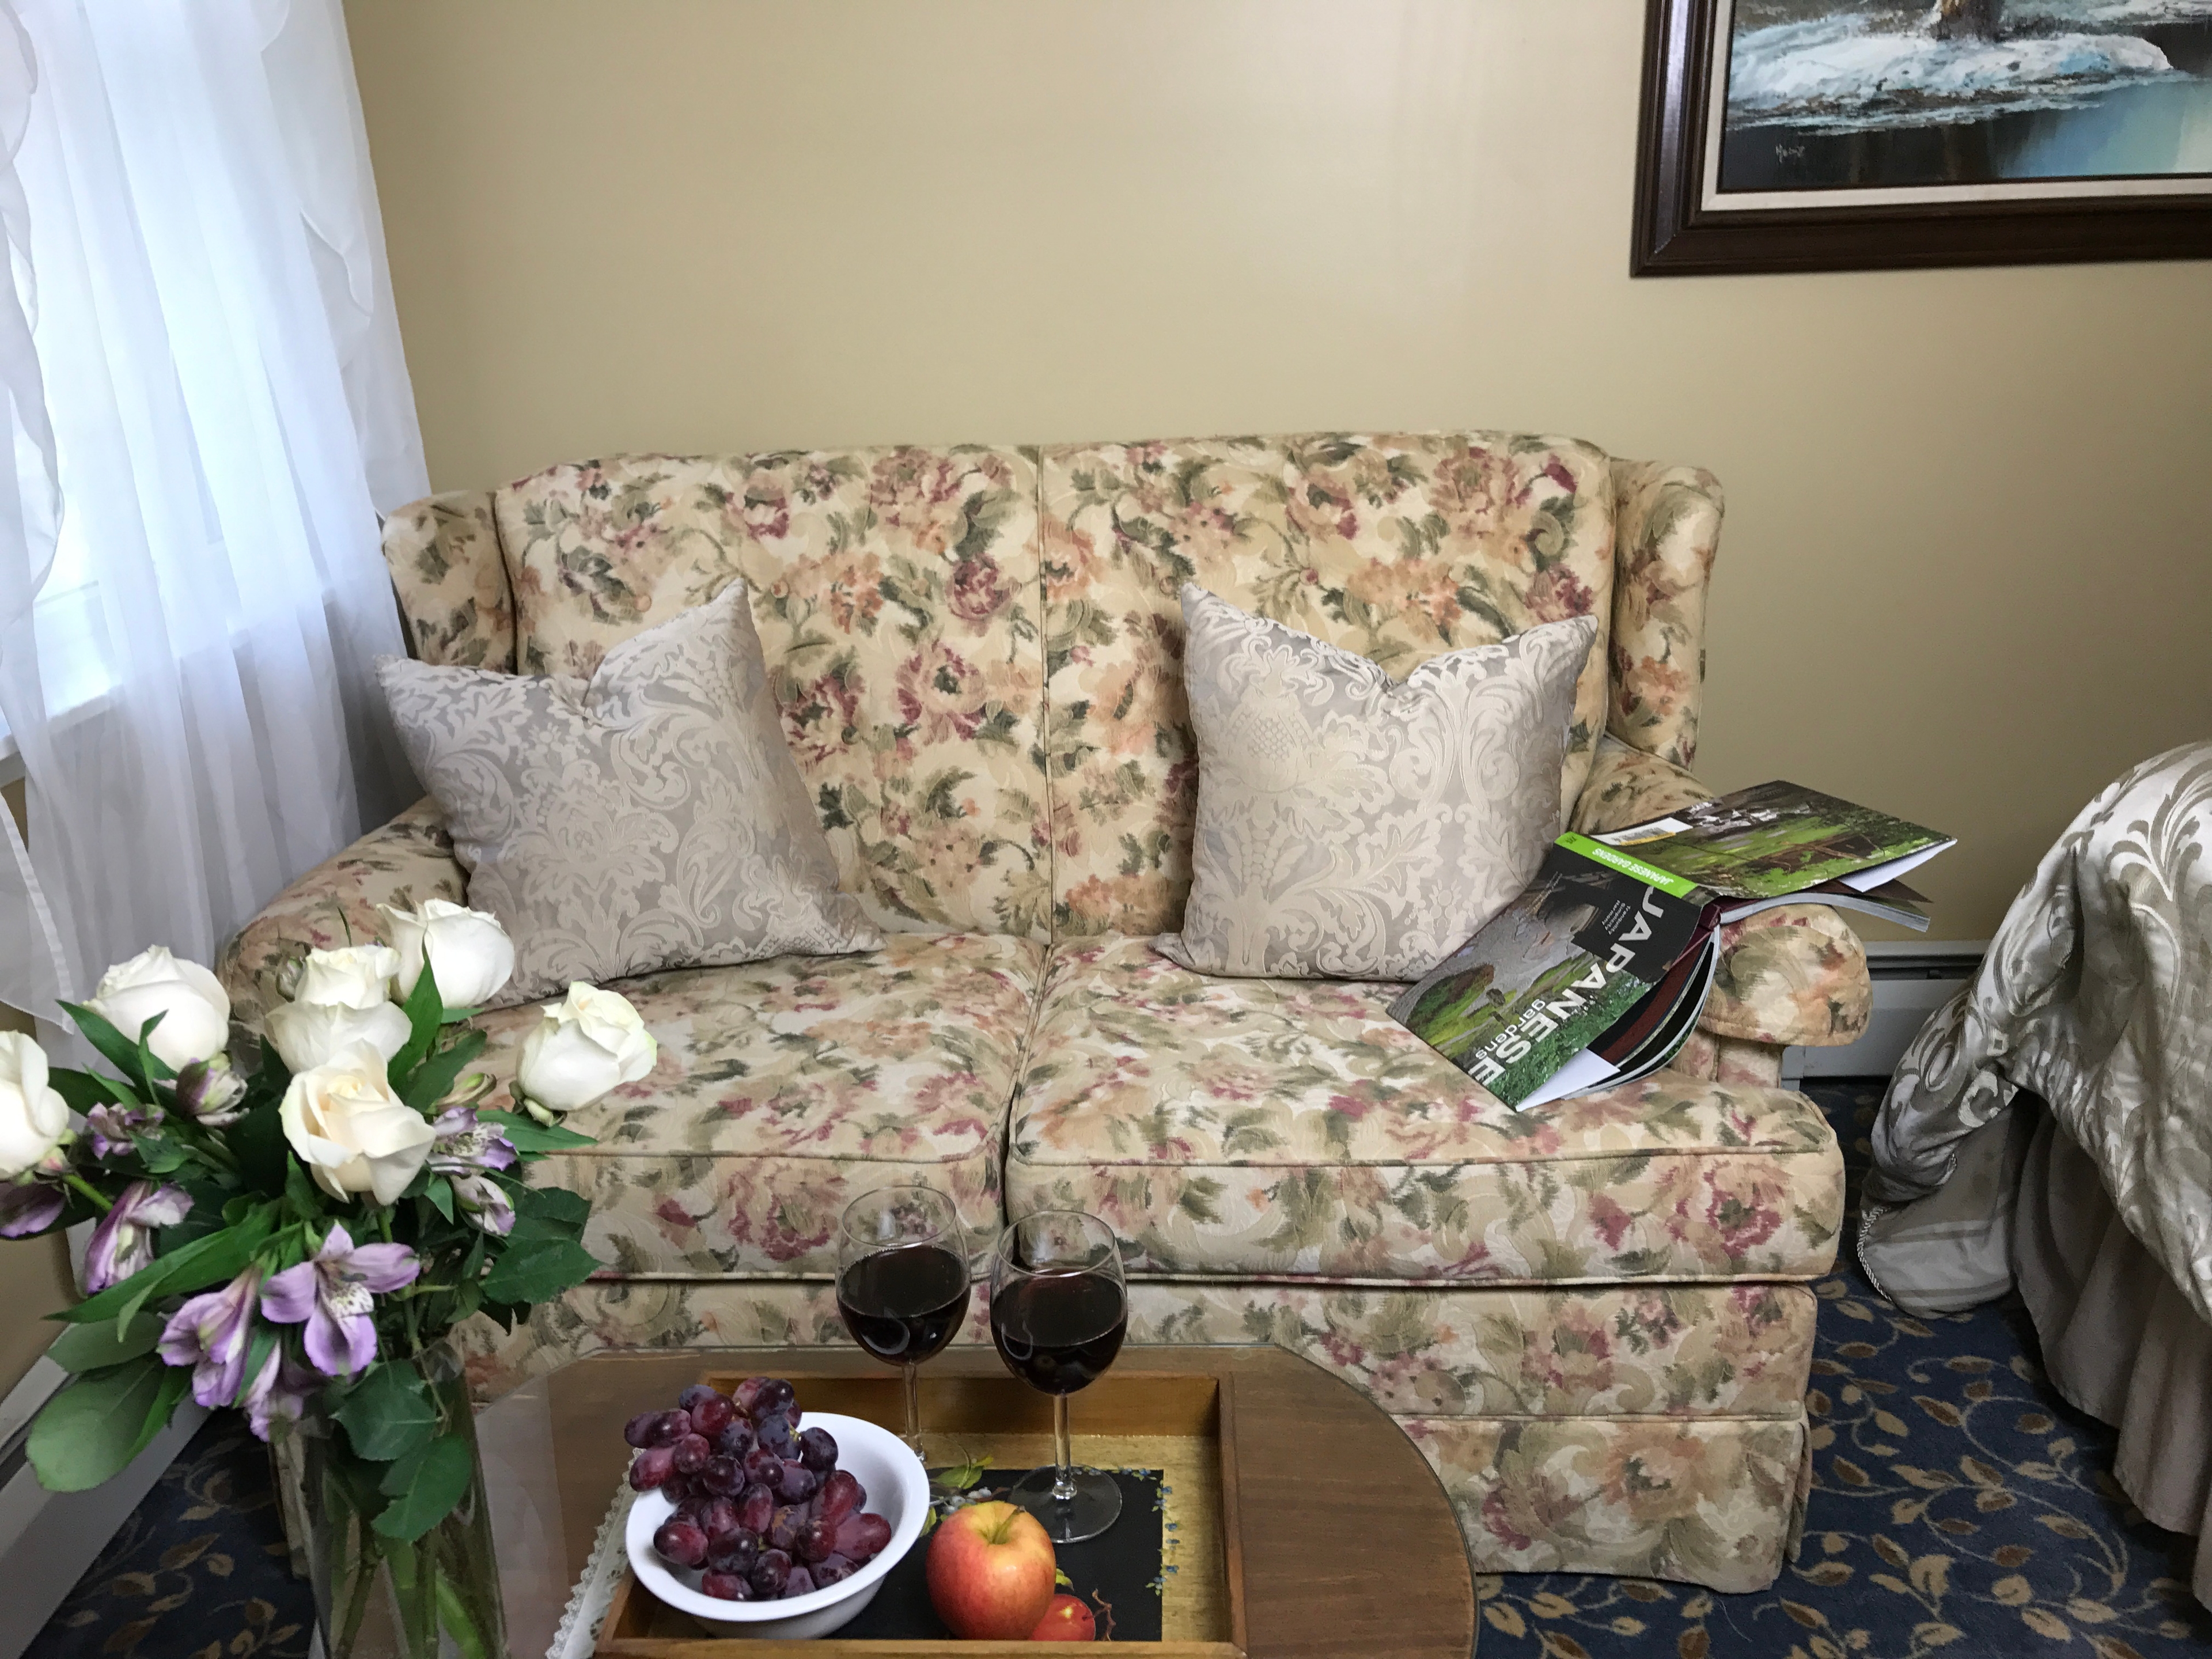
(1596, 1318)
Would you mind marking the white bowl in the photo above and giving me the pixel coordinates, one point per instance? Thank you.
(898, 1490)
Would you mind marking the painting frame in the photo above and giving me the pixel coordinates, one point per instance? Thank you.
(1677, 233)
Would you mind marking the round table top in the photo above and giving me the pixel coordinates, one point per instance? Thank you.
(1340, 1536)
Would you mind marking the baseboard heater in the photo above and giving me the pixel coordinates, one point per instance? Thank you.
(1912, 979)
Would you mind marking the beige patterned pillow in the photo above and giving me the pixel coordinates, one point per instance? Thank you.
(649, 817)
(1355, 826)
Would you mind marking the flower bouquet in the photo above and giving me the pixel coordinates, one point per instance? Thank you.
(297, 1241)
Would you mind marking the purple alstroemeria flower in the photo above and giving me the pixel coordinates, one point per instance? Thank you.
(485, 1203)
(278, 1394)
(30, 1207)
(110, 1125)
(210, 1092)
(123, 1242)
(334, 1291)
(463, 1149)
(465, 1145)
(210, 1334)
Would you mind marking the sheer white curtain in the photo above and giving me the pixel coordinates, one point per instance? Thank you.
(207, 405)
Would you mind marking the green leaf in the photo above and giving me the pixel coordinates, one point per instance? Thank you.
(553, 1204)
(302, 1193)
(160, 1156)
(961, 1476)
(526, 1135)
(440, 1192)
(434, 1078)
(81, 1090)
(118, 1050)
(93, 1347)
(388, 1414)
(539, 1273)
(258, 1347)
(205, 1217)
(424, 1487)
(203, 1262)
(542, 1213)
(151, 1066)
(90, 1430)
(422, 1009)
(258, 1141)
(531, 1233)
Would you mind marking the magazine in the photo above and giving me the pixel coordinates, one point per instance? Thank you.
(1582, 951)
(1776, 840)
(1596, 974)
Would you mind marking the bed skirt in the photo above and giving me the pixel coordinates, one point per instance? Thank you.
(2120, 1340)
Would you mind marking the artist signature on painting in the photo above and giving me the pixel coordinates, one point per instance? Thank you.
(1789, 152)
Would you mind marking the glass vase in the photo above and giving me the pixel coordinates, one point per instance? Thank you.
(432, 1597)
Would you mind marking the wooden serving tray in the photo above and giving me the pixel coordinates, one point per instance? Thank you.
(1177, 1421)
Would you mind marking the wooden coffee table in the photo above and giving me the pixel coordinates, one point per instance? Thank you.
(1336, 1537)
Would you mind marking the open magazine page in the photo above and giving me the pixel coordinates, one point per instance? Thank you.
(1555, 970)
(1778, 838)
(1642, 1040)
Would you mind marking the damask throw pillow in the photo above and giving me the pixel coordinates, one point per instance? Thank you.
(1355, 826)
(649, 817)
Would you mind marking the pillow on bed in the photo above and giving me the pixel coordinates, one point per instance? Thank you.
(1355, 826)
(650, 817)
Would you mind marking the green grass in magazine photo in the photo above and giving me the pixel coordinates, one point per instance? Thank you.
(296, 1236)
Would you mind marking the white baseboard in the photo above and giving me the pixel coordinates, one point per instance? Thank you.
(47, 1539)
(1913, 978)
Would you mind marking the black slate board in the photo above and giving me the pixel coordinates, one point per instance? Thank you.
(1120, 1568)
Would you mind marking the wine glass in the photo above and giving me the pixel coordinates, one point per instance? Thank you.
(902, 1281)
(1059, 1311)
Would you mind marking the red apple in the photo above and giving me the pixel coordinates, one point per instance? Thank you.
(1066, 1621)
(991, 1572)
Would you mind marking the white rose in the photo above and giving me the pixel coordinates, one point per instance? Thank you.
(352, 1133)
(33, 1117)
(584, 1047)
(311, 1034)
(194, 1006)
(469, 952)
(359, 976)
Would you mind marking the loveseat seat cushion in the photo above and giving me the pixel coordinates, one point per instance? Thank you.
(1239, 1127)
(786, 1088)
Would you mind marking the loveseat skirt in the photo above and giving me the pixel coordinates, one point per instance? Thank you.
(1651, 1431)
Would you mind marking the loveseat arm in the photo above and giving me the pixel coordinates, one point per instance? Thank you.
(408, 861)
(1796, 974)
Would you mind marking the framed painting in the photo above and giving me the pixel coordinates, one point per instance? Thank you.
(1831, 134)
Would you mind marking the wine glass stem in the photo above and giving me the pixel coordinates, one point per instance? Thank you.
(1063, 1483)
(910, 1380)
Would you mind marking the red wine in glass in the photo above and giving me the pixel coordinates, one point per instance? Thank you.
(1059, 1332)
(1059, 1310)
(902, 1281)
(903, 1304)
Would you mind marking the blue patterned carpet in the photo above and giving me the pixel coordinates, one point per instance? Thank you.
(199, 1572)
(1960, 1506)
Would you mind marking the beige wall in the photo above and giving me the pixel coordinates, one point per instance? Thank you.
(1967, 574)
(34, 1273)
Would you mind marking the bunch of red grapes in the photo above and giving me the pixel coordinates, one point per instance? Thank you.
(760, 1502)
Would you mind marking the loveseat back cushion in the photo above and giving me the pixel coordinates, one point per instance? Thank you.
(443, 555)
(895, 593)
(1399, 547)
